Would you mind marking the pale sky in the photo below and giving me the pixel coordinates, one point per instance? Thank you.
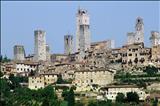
(108, 20)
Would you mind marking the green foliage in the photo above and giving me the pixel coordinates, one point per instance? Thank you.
(1, 74)
(61, 81)
(4, 59)
(68, 96)
(132, 97)
(151, 70)
(71, 98)
(79, 104)
(24, 96)
(155, 102)
(92, 103)
(120, 97)
(64, 103)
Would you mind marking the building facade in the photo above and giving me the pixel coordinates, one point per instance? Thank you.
(112, 91)
(42, 80)
(84, 79)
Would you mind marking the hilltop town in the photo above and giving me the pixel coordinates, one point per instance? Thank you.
(95, 69)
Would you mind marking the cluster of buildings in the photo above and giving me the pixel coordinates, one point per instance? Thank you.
(92, 63)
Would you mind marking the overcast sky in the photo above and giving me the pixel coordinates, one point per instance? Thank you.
(108, 20)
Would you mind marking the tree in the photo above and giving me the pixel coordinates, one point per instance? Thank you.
(60, 80)
(14, 82)
(120, 97)
(151, 70)
(92, 103)
(1, 74)
(132, 97)
(71, 98)
(155, 102)
(68, 96)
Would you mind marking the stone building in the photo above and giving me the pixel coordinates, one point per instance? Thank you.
(84, 79)
(40, 45)
(68, 44)
(111, 91)
(19, 52)
(42, 80)
(23, 68)
(155, 54)
(82, 32)
(155, 38)
(102, 45)
(59, 58)
(136, 55)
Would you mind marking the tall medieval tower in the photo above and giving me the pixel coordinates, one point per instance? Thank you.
(155, 38)
(68, 44)
(82, 31)
(139, 34)
(19, 52)
(40, 45)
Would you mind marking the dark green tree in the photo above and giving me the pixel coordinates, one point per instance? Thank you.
(71, 98)
(120, 97)
(132, 97)
(92, 103)
(155, 102)
(60, 80)
(1, 74)
(14, 82)
(151, 70)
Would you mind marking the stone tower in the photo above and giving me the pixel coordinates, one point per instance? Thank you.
(19, 52)
(40, 45)
(130, 38)
(48, 56)
(82, 31)
(155, 38)
(68, 44)
(139, 33)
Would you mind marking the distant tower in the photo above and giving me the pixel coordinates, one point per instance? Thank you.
(19, 52)
(40, 45)
(139, 34)
(82, 31)
(110, 44)
(68, 44)
(155, 38)
(48, 56)
(130, 38)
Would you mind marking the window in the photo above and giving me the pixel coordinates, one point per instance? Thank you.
(91, 80)
(136, 54)
(130, 54)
